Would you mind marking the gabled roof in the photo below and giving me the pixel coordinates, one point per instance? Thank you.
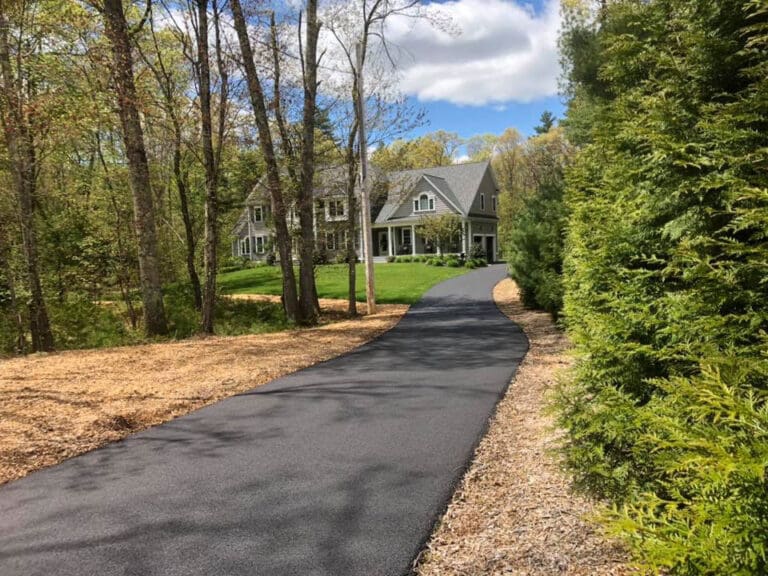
(457, 183)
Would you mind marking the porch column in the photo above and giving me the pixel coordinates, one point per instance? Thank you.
(464, 238)
(361, 245)
(390, 249)
(413, 239)
(250, 235)
(469, 237)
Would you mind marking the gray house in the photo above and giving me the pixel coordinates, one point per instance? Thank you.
(469, 191)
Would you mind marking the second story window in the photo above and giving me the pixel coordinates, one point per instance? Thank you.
(482, 201)
(257, 213)
(494, 203)
(424, 203)
(335, 209)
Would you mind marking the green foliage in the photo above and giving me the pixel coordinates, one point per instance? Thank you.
(666, 300)
(443, 230)
(435, 149)
(476, 251)
(80, 323)
(391, 259)
(234, 317)
(535, 229)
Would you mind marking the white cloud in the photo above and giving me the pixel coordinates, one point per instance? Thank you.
(504, 53)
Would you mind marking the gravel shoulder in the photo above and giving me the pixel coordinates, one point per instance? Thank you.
(55, 406)
(514, 512)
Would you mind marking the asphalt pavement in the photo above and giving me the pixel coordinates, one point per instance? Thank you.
(339, 469)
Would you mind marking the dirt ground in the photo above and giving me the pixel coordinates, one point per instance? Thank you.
(514, 512)
(55, 406)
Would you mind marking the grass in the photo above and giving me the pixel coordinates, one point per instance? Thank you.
(397, 283)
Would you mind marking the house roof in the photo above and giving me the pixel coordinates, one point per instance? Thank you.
(458, 183)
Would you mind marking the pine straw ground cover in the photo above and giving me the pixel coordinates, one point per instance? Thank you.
(55, 406)
(513, 512)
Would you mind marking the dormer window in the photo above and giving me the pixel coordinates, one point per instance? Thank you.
(257, 213)
(482, 201)
(424, 203)
(494, 203)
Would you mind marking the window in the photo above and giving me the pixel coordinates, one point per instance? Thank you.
(424, 203)
(245, 246)
(405, 236)
(257, 213)
(259, 244)
(494, 203)
(336, 240)
(335, 209)
(482, 201)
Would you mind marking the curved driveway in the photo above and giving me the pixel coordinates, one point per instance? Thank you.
(340, 469)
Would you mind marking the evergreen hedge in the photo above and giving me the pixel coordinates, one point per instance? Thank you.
(666, 278)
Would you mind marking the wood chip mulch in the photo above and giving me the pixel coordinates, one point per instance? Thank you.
(514, 512)
(55, 406)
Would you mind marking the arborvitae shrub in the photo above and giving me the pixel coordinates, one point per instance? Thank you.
(666, 298)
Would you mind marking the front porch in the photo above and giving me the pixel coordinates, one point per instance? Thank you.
(404, 240)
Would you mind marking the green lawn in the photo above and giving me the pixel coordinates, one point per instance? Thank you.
(402, 283)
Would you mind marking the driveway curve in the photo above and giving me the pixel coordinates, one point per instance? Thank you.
(339, 469)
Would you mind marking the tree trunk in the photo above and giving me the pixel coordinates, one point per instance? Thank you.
(133, 136)
(352, 222)
(18, 320)
(21, 152)
(211, 201)
(256, 94)
(181, 186)
(307, 300)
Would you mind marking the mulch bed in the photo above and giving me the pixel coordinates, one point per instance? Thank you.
(55, 406)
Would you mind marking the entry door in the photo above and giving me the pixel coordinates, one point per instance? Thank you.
(489, 248)
(383, 243)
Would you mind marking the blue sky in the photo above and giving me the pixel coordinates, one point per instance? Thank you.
(494, 66)
(471, 120)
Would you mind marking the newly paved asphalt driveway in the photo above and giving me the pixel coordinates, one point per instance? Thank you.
(340, 469)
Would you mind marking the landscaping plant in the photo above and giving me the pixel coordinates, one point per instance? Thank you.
(666, 268)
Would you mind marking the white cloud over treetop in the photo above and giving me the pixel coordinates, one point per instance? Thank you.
(504, 53)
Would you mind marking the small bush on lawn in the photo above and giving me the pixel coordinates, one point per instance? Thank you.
(233, 264)
(470, 264)
(452, 262)
(391, 259)
(340, 257)
(404, 259)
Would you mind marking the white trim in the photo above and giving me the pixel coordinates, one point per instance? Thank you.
(252, 213)
(431, 204)
(443, 196)
(255, 247)
(337, 217)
